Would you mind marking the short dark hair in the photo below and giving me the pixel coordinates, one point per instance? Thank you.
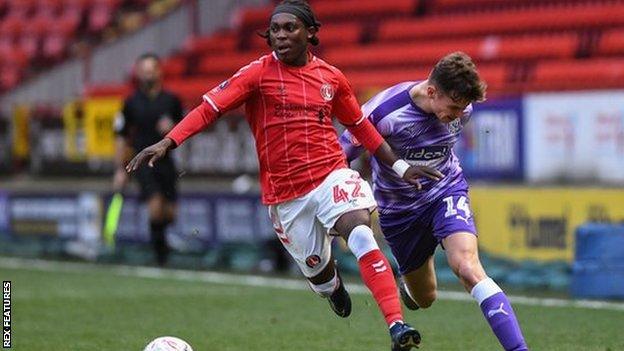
(457, 76)
(148, 55)
(305, 7)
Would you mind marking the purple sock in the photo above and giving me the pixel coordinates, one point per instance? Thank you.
(499, 314)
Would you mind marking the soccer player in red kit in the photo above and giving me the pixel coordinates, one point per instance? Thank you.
(290, 96)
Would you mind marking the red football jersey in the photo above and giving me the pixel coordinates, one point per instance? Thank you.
(289, 110)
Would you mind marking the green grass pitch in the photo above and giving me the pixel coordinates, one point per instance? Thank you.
(100, 309)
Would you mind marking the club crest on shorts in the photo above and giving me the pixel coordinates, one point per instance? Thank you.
(313, 261)
(327, 92)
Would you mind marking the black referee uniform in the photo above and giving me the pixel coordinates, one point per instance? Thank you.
(138, 124)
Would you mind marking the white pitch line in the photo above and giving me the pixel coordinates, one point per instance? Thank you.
(268, 282)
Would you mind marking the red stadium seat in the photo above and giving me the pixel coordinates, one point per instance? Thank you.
(101, 14)
(221, 42)
(530, 47)
(532, 20)
(377, 79)
(174, 66)
(330, 10)
(57, 39)
(9, 77)
(226, 64)
(11, 27)
(253, 17)
(387, 55)
(578, 74)
(495, 76)
(49, 8)
(454, 6)
(611, 43)
(21, 8)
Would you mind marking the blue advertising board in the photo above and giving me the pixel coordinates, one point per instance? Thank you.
(490, 147)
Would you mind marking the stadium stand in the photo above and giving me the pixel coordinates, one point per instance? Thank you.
(524, 45)
(385, 42)
(35, 34)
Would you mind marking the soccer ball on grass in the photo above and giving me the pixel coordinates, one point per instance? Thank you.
(168, 343)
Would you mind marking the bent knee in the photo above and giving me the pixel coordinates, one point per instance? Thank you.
(470, 272)
(427, 299)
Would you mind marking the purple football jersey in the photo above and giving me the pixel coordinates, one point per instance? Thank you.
(417, 137)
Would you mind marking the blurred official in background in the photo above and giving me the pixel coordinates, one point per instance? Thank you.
(148, 114)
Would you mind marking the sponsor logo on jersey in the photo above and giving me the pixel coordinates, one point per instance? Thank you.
(427, 153)
(313, 261)
(327, 92)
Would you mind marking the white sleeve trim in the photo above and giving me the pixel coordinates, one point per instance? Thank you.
(360, 120)
(209, 100)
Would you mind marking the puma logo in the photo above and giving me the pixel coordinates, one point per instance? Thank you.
(494, 312)
(462, 218)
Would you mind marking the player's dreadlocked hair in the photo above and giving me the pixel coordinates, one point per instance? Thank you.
(456, 75)
(302, 10)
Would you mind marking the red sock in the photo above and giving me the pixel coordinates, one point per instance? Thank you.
(377, 274)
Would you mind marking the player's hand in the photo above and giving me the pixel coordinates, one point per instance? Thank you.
(150, 155)
(120, 179)
(414, 172)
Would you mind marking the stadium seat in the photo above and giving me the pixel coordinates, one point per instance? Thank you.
(387, 55)
(491, 48)
(578, 74)
(611, 43)
(48, 8)
(174, 66)
(9, 76)
(11, 27)
(57, 40)
(529, 47)
(226, 64)
(101, 14)
(253, 17)
(453, 6)
(504, 22)
(362, 9)
(495, 75)
(218, 43)
(191, 90)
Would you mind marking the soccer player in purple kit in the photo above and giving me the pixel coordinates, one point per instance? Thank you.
(422, 121)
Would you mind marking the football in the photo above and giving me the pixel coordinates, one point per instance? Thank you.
(168, 343)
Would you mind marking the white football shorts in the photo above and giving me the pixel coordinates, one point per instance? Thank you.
(305, 224)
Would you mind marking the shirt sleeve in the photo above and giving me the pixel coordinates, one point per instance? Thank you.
(222, 98)
(233, 92)
(194, 122)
